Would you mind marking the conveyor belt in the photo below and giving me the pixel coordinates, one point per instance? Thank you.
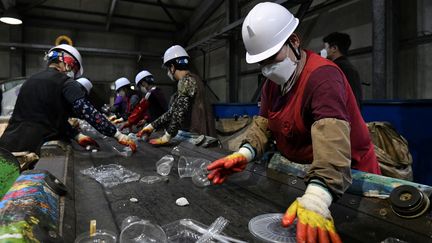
(246, 195)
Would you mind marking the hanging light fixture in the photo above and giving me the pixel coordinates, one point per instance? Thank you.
(10, 16)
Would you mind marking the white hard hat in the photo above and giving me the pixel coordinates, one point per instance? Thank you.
(86, 84)
(265, 29)
(142, 75)
(73, 52)
(174, 52)
(121, 82)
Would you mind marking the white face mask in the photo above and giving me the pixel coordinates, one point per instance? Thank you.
(122, 93)
(70, 74)
(171, 76)
(143, 89)
(279, 72)
(323, 53)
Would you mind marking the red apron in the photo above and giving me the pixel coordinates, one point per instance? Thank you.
(293, 138)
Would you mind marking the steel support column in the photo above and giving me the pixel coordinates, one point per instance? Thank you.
(384, 48)
(110, 14)
(17, 58)
(379, 50)
(392, 42)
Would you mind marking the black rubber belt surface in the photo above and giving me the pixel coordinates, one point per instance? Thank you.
(243, 197)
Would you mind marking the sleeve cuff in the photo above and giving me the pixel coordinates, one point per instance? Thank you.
(320, 192)
(248, 151)
(117, 134)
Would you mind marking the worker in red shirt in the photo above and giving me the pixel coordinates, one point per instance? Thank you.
(152, 105)
(308, 107)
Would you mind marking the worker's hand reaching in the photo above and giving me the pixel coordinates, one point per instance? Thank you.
(125, 140)
(314, 221)
(236, 162)
(141, 123)
(161, 140)
(222, 168)
(112, 118)
(146, 131)
(125, 125)
(85, 141)
(117, 121)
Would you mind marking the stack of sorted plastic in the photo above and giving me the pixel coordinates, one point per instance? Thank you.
(111, 175)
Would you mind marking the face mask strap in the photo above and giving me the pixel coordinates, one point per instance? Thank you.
(296, 52)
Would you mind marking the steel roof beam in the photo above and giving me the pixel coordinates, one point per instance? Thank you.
(173, 6)
(110, 13)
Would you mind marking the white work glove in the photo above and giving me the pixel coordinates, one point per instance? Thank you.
(161, 140)
(317, 199)
(146, 131)
(314, 221)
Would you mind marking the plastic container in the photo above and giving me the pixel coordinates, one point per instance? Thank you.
(133, 137)
(393, 240)
(153, 179)
(199, 175)
(176, 151)
(190, 231)
(268, 228)
(214, 231)
(180, 231)
(101, 236)
(125, 151)
(136, 230)
(128, 220)
(111, 175)
(187, 165)
(198, 140)
(164, 165)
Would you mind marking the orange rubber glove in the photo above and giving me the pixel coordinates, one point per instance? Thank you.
(161, 140)
(125, 140)
(236, 162)
(85, 141)
(146, 131)
(314, 221)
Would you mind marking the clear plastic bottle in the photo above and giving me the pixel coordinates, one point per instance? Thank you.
(134, 230)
